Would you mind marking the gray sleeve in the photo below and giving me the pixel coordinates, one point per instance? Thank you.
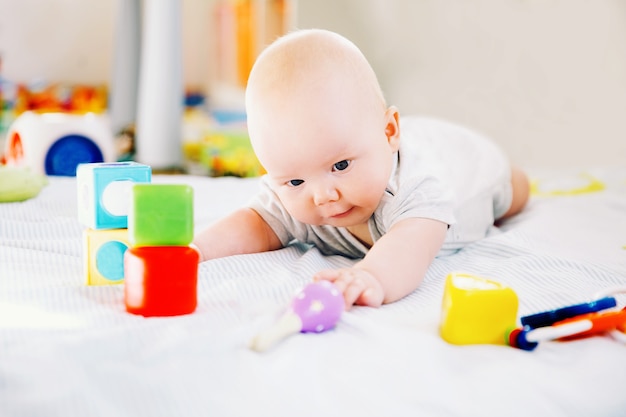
(269, 207)
(423, 196)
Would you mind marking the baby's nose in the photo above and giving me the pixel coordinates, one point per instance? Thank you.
(325, 193)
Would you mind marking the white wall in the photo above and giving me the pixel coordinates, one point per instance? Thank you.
(72, 40)
(545, 78)
(60, 40)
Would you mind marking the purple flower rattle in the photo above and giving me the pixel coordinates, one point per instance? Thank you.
(316, 308)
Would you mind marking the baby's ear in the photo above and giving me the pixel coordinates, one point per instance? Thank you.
(392, 127)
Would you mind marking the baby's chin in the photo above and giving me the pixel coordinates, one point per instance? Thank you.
(328, 222)
(347, 222)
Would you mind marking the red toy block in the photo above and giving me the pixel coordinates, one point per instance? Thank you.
(160, 280)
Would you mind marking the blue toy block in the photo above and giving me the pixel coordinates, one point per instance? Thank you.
(105, 191)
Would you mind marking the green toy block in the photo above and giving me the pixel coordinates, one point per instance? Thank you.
(161, 215)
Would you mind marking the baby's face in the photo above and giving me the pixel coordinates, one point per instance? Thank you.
(328, 163)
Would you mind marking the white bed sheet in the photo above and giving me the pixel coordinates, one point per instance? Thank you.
(71, 350)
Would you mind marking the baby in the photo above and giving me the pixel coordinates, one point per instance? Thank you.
(348, 176)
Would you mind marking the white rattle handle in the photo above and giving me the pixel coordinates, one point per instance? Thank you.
(287, 325)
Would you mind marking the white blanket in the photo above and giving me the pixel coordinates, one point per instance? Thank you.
(71, 350)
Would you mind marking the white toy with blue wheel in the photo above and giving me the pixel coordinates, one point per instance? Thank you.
(55, 143)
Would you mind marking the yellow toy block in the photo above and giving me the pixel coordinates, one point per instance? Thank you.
(104, 255)
(477, 310)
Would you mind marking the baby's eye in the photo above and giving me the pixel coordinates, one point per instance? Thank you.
(341, 165)
(294, 183)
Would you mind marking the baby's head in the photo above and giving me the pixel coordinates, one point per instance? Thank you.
(319, 124)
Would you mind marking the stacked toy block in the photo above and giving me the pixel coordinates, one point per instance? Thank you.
(104, 197)
(160, 267)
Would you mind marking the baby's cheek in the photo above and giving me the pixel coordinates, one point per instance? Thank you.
(369, 194)
(302, 211)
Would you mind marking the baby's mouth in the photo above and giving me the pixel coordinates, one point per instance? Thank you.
(342, 214)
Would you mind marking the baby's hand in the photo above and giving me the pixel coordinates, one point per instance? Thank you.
(357, 285)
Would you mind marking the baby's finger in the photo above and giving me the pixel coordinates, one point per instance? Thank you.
(326, 274)
(371, 298)
(353, 291)
(333, 276)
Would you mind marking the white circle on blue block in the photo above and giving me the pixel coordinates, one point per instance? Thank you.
(110, 260)
(116, 197)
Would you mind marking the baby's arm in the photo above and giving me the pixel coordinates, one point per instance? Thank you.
(393, 267)
(243, 231)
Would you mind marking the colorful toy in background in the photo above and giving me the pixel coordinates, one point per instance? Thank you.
(316, 308)
(43, 97)
(217, 143)
(222, 152)
(583, 183)
(51, 128)
(56, 143)
(481, 311)
(160, 268)
(104, 195)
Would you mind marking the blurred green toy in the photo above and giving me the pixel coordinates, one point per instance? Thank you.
(19, 184)
(224, 153)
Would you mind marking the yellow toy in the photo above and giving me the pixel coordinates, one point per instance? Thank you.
(104, 255)
(477, 310)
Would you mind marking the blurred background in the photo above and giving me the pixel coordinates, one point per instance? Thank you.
(546, 79)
